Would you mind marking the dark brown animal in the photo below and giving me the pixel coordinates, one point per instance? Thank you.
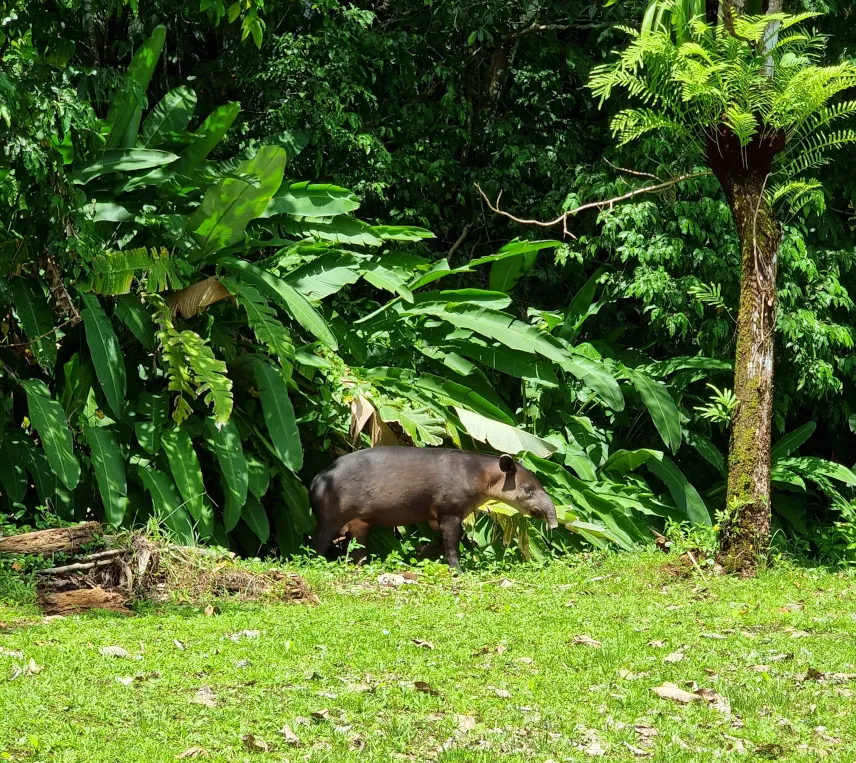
(395, 486)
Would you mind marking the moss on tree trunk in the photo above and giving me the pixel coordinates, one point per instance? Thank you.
(744, 172)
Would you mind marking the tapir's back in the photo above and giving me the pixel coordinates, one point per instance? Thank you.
(398, 485)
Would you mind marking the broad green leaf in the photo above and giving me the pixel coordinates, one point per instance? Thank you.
(155, 408)
(596, 378)
(311, 200)
(706, 449)
(167, 504)
(790, 442)
(226, 445)
(109, 467)
(259, 477)
(502, 437)
(288, 537)
(13, 477)
(581, 307)
(172, 114)
(664, 368)
(684, 495)
(286, 295)
(423, 427)
(131, 311)
(324, 276)
(48, 418)
(505, 273)
(230, 205)
(340, 229)
(50, 490)
(264, 322)
(481, 297)
(809, 466)
(661, 406)
(123, 160)
(512, 362)
(106, 354)
(382, 277)
(437, 390)
(580, 463)
(786, 479)
(209, 134)
(256, 518)
(36, 318)
(107, 211)
(402, 232)
(623, 461)
(279, 415)
(127, 101)
(515, 248)
(297, 498)
(187, 474)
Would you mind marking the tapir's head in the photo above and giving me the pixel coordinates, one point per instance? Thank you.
(518, 487)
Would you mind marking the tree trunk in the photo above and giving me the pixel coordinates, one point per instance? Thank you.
(744, 173)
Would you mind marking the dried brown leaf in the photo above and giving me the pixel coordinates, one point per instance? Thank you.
(290, 737)
(583, 640)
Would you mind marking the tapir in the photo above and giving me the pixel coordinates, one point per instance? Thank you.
(396, 486)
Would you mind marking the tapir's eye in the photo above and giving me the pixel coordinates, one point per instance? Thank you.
(527, 490)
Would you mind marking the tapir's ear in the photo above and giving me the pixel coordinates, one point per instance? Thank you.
(506, 463)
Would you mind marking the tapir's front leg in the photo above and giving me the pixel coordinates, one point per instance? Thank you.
(451, 528)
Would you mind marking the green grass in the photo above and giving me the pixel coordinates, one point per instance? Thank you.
(540, 699)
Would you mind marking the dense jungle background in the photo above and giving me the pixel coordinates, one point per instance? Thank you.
(237, 240)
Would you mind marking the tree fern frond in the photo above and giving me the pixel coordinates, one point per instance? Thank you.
(264, 322)
(798, 194)
(114, 272)
(192, 369)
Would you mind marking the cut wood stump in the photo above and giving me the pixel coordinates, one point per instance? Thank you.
(82, 599)
(59, 540)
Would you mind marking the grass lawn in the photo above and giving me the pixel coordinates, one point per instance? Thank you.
(501, 677)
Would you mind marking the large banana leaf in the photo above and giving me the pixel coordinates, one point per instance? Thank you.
(381, 277)
(209, 133)
(167, 504)
(810, 467)
(109, 467)
(225, 443)
(230, 205)
(502, 437)
(172, 114)
(661, 406)
(340, 229)
(126, 105)
(439, 390)
(311, 200)
(279, 415)
(36, 318)
(254, 515)
(685, 496)
(286, 295)
(324, 276)
(123, 160)
(187, 474)
(623, 461)
(596, 378)
(48, 418)
(512, 362)
(106, 354)
(791, 441)
(130, 310)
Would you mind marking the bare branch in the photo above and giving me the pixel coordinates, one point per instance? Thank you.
(636, 173)
(563, 218)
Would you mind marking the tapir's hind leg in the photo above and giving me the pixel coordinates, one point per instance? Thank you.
(359, 531)
(325, 533)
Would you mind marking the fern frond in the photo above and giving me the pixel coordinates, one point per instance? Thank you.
(192, 369)
(264, 322)
(798, 194)
(114, 272)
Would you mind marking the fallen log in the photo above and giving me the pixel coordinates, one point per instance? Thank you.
(81, 599)
(58, 540)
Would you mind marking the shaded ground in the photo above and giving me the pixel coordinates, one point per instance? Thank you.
(450, 670)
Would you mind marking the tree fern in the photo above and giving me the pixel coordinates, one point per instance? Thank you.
(114, 272)
(263, 321)
(192, 369)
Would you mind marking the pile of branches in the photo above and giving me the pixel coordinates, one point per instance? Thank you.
(109, 572)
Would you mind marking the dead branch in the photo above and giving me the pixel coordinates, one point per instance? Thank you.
(563, 218)
(76, 567)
